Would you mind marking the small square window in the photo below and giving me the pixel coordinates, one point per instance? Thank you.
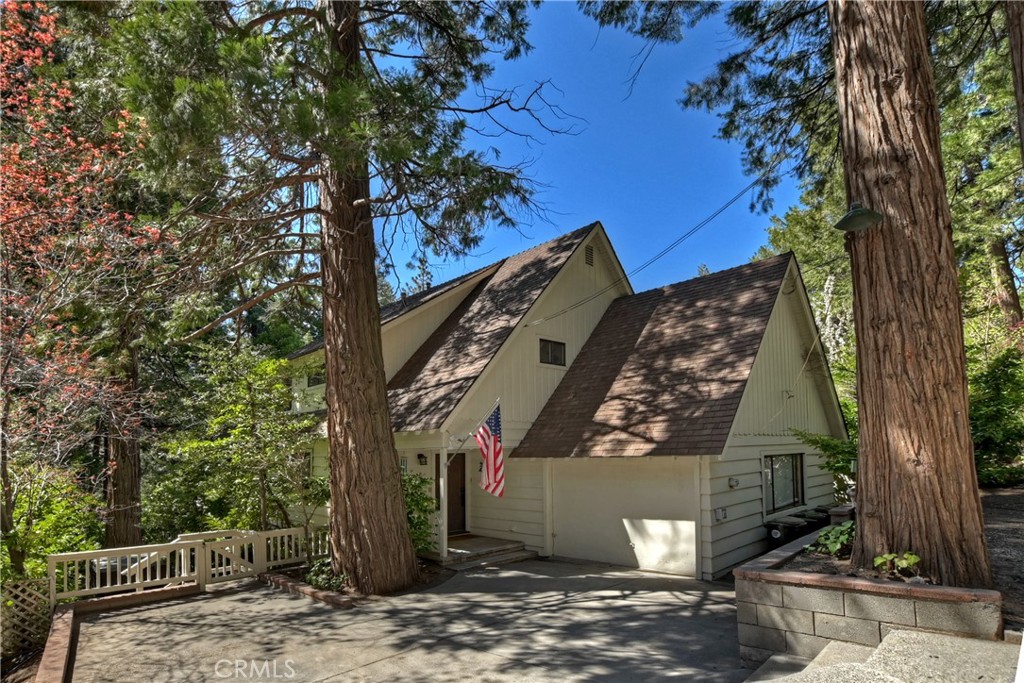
(552, 352)
(316, 379)
(783, 482)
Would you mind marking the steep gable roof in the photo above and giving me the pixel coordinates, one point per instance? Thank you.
(403, 305)
(664, 370)
(427, 388)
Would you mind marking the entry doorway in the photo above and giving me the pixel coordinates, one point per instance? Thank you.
(456, 492)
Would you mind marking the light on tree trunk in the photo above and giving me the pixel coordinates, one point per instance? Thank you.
(858, 218)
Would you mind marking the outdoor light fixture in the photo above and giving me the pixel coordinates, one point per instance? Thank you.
(421, 459)
(858, 218)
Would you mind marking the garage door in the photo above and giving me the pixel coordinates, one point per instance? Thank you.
(636, 512)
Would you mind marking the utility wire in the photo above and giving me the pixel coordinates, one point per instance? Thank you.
(664, 252)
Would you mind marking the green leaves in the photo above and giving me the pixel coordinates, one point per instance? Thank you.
(834, 540)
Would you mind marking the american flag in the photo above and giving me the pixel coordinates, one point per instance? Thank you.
(488, 437)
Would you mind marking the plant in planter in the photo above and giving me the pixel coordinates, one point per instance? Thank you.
(898, 565)
(834, 540)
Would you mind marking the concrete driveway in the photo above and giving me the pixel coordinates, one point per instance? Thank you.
(531, 621)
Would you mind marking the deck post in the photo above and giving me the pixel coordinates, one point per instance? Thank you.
(442, 473)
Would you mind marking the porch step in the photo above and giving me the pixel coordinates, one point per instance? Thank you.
(493, 559)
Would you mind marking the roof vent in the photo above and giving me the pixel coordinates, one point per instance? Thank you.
(588, 255)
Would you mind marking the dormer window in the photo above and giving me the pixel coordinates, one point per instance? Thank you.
(552, 352)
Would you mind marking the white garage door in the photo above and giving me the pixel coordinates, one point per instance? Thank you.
(636, 512)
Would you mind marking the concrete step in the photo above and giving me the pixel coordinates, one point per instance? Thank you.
(778, 666)
(921, 657)
(917, 657)
(493, 560)
(838, 652)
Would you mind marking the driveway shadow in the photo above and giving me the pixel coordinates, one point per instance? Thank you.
(532, 621)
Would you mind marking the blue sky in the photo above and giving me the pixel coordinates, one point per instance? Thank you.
(646, 168)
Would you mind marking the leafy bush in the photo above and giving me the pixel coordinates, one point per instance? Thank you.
(53, 513)
(997, 419)
(834, 540)
(839, 456)
(419, 508)
(320, 575)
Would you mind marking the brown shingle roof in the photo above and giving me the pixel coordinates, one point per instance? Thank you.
(401, 306)
(664, 371)
(427, 388)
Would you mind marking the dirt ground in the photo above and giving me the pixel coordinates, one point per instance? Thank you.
(1004, 532)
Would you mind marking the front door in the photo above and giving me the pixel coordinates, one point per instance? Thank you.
(457, 494)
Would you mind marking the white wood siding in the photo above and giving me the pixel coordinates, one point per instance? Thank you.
(524, 385)
(519, 514)
(788, 387)
(516, 374)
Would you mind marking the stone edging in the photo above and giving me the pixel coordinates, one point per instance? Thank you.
(286, 583)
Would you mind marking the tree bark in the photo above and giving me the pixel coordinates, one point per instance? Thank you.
(1015, 27)
(1005, 289)
(124, 478)
(917, 487)
(370, 541)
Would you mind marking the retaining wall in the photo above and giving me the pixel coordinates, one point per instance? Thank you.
(798, 613)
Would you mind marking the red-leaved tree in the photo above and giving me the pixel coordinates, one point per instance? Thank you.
(64, 250)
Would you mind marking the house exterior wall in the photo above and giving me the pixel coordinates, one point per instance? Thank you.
(788, 388)
(635, 512)
(524, 385)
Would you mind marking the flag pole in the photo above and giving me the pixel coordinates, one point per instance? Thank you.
(473, 431)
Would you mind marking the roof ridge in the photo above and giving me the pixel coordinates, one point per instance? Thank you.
(666, 289)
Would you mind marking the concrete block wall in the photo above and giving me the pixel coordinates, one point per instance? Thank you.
(799, 613)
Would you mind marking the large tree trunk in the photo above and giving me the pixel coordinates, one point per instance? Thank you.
(1015, 27)
(917, 487)
(124, 478)
(370, 541)
(1005, 288)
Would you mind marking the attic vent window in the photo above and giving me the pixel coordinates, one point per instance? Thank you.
(588, 255)
(552, 352)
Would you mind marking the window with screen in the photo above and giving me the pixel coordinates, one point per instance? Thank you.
(552, 352)
(783, 479)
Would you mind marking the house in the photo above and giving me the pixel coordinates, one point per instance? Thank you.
(649, 430)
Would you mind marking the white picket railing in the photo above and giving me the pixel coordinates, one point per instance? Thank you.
(201, 558)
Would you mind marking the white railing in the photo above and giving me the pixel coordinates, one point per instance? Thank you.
(201, 558)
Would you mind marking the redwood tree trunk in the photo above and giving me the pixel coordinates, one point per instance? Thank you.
(370, 541)
(1005, 288)
(124, 479)
(917, 487)
(1015, 27)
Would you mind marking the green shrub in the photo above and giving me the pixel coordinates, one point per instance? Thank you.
(997, 419)
(838, 457)
(419, 507)
(898, 564)
(320, 575)
(834, 540)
